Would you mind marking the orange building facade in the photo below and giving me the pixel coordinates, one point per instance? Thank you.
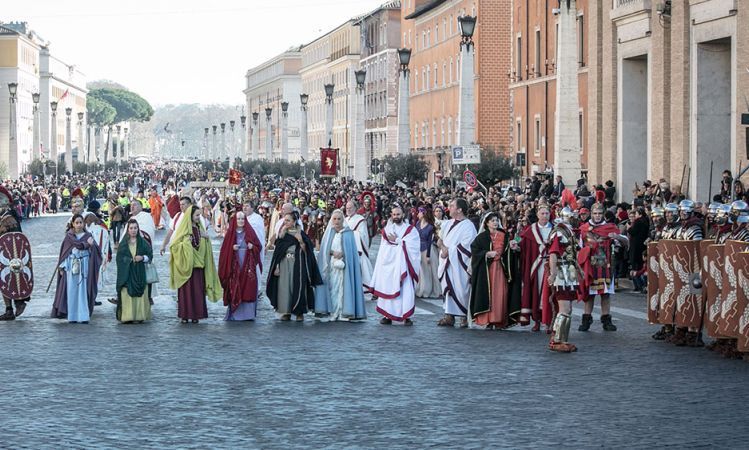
(430, 29)
(532, 87)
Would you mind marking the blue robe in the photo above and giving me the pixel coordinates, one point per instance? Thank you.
(353, 292)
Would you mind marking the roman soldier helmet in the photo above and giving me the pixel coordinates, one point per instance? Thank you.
(713, 208)
(686, 206)
(740, 211)
(673, 210)
(723, 215)
(657, 211)
(567, 213)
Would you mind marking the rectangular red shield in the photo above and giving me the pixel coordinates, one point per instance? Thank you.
(653, 275)
(666, 300)
(328, 162)
(686, 263)
(743, 301)
(712, 284)
(728, 324)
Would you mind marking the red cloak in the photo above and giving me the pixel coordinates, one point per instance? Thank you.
(240, 283)
(595, 237)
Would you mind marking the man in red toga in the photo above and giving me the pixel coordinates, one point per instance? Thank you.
(597, 238)
(534, 244)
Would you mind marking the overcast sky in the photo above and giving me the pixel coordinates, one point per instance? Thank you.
(180, 51)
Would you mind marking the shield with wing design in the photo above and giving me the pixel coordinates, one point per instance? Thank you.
(742, 297)
(16, 270)
(728, 323)
(654, 273)
(687, 284)
(712, 284)
(666, 295)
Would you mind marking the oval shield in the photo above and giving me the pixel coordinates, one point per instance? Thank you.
(16, 269)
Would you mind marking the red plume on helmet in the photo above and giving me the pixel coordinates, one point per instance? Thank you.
(372, 200)
(77, 192)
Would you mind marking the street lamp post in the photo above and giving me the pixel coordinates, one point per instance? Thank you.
(404, 127)
(329, 90)
(53, 145)
(222, 151)
(359, 151)
(13, 133)
(68, 141)
(285, 131)
(255, 144)
(36, 151)
(243, 138)
(466, 101)
(80, 137)
(303, 138)
(268, 134)
(233, 142)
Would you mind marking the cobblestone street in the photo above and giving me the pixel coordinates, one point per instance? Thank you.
(274, 385)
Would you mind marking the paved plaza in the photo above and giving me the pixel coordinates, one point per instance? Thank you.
(278, 385)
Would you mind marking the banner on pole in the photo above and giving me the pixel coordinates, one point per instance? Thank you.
(235, 177)
(328, 162)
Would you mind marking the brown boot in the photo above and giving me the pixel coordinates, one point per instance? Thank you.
(8, 314)
(679, 337)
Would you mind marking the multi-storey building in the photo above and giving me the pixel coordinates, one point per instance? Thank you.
(332, 59)
(668, 83)
(532, 75)
(430, 29)
(380, 38)
(267, 86)
(25, 59)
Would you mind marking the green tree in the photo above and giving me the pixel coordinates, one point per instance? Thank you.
(406, 168)
(36, 168)
(127, 105)
(99, 112)
(494, 167)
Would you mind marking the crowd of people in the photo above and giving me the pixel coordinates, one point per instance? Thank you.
(509, 256)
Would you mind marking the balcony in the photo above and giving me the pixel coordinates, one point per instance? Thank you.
(626, 8)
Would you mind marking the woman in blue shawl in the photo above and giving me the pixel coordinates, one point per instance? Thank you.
(341, 297)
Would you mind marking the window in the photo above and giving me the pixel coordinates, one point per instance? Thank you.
(423, 39)
(444, 29)
(416, 136)
(537, 65)
(519, 67)
(449, 131)
(520, 136)
(416, 82)
(451, 24)
(451, 70)
(537, 137)
(424, 135)
(580, 127)
(444, 74)
(442, 132)
(404, 39)
(435, 76)
(429, 42)
(581, 41)
(434, 133)
(436, 34)
(426, 79)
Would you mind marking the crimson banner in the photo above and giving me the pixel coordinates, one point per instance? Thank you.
(235, 177)
(328, 162)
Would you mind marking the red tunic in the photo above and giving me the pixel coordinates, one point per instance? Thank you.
(595, 256)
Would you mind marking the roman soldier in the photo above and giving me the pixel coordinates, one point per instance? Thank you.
(597, 240)
(669, 231)
(720, 224)
(16, 276)
(658, 218)
(564, 278)
(690, 230)
(369, 212)
(739, 214)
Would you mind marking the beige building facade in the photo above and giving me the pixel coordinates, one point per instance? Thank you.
(668, 84)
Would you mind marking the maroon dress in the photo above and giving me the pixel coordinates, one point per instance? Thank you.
(191, 303)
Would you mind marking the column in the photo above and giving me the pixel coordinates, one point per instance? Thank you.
(255, 136)
(81, 139)
(118, 152)
(13, 135)
(232, 146)
(466, 101)
(109, 146)
(268, 135)
(404, 127)
(68, 141)
(36, 151)
(243, 139)
(212, 155)
(329, 89)
(566, 127)
(303, 138)
(361, 165)
(125, 151)
(285, 131)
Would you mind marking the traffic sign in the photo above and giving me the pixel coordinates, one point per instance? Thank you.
(467, 154)
(470, 178)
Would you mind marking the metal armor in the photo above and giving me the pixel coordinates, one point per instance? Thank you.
(567, 266)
